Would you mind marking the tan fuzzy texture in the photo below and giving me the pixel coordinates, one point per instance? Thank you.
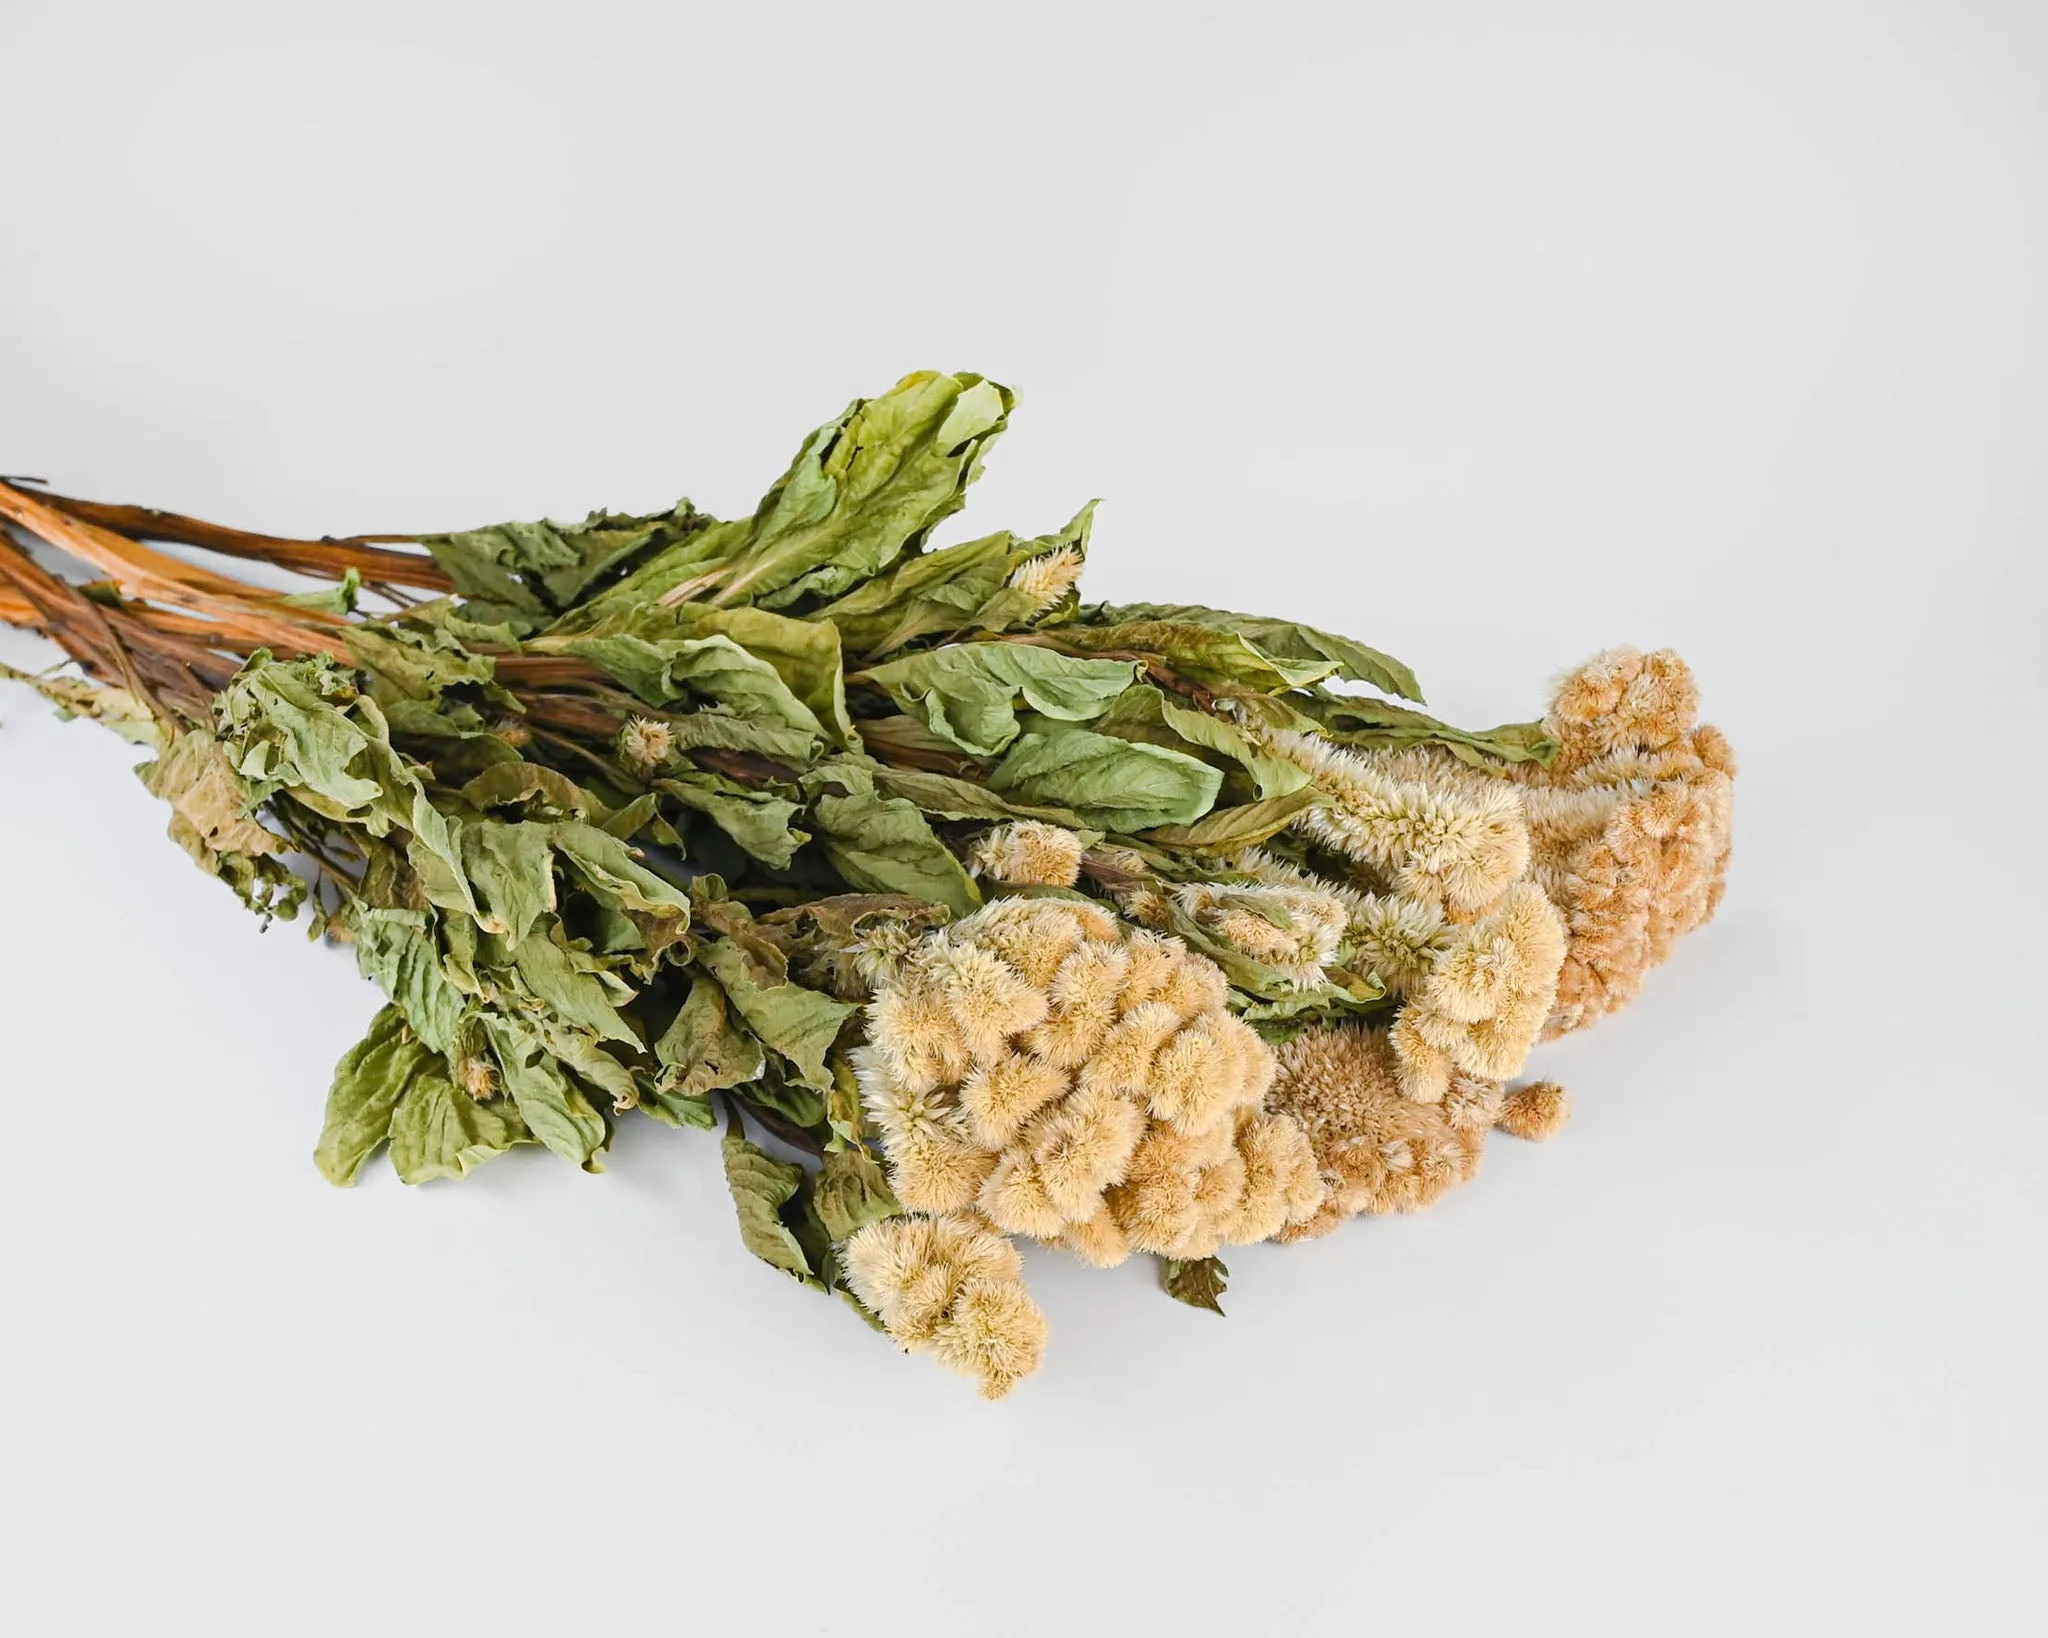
(1632, 824)
(1083, 1083)
(954, 1288)
(1028, 854)
(1536, 1112)
(645, 744)
(1378, 1149)
(1457, 845)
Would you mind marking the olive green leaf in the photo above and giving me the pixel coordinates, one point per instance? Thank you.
(1380, 725)
(865, 488)
(713, 670)
(534, 568)
(438, 1130)
(368, 1082)
(968, 693)
(539, 791)
(104, 703)
(704, 1050)
(764, 1195)
(883, 844)
(398, 950)
(1145, 713)
(945, 797)
(1111, 784)
(955, 589)
(758, 820)
(1197, 1281)
(796, 1021)
(1276, 640)
(1228, 829)
(852, 1192)
(547, 1100)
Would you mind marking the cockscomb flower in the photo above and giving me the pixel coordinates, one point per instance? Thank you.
(1484, 1002)
(1461, 847)
(951, 1287)
(1296, 929)
(1063, 1076)
(1028, 853)
(1379, 1149)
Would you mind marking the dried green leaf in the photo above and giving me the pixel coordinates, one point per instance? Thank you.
(1111, 784)
(883, 844)
(955, 589)
(969, 693)
(864, 488)
(704, 1050)
(794, 1020)
(852, 1192)
(368, 1082)
(1276, 640)
(535, 568)
(1199, 1281)
(104, 703)
(1380, 725)
(1228, 829)
(763, 1190)
(760, 821)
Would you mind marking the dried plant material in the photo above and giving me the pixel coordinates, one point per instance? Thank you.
(971, 912)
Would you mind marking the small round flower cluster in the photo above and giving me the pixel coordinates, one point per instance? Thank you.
(950, 1286)
(1080, 1083)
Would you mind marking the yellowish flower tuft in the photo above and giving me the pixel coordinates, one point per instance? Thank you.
(1294, 928)
(1028, 854)
(950, 1286)
(1537, 1111)
(645, 745)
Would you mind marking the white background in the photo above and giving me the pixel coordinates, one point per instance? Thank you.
(1491, 334)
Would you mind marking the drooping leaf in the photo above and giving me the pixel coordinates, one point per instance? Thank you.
(852, 1192)
(712, 670)
(759, 820)
(1148, 714)
(763, 1190)
(552, 1105)
(104, 703)
(439, 1130)
(1197, 1281)
(945, 797)
(368, 1082)
(969, 693)
(1228, 829)
(1111, 784)
(399, 951)
(703, 1051)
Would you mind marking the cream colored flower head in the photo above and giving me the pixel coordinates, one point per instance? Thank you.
(1047, 1067)
(1028, 854)
(645, 744)
(951, 1287)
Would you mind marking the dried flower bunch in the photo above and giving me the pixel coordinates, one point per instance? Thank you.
(978, 914)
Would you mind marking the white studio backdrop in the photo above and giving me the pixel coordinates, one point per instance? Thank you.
(1493, 334)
